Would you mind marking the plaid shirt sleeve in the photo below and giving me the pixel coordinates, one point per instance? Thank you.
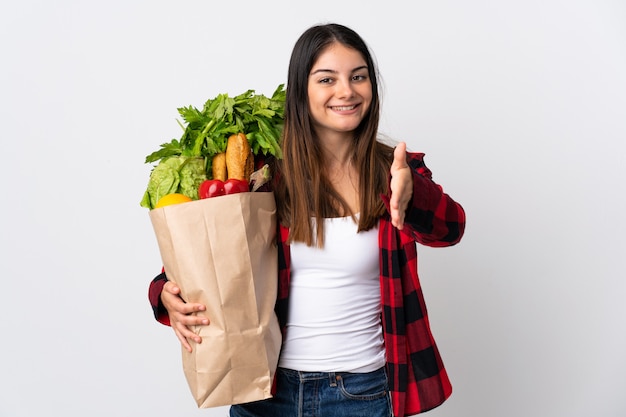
(434, 218)
(154, 296)
(417, 377)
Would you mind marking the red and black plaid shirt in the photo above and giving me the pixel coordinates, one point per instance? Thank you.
(418, 380)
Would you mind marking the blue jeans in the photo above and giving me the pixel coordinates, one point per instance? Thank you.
(323, 394)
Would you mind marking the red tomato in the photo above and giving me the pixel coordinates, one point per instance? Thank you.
(211, 188)
(233, 186)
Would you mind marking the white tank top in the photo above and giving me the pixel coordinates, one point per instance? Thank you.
(334, 303)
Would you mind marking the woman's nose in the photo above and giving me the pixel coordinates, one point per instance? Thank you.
(344, 89)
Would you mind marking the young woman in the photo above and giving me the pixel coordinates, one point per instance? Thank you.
(356, 337)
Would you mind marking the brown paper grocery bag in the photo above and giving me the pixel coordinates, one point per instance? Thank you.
(221, 251)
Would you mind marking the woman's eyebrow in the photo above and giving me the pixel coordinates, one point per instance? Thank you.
(335, 71)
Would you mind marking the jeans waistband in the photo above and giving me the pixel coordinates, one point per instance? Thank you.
(316, 375)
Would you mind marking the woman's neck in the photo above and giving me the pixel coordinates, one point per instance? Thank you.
(337, 151)
(343, 177)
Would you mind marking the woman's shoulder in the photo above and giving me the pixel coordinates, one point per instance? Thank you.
(416, 162)
(415, 156)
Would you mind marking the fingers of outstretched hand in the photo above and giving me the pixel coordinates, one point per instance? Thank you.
(401, 186)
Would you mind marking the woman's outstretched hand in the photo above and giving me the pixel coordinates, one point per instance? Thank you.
(181, 314)
(401, 186)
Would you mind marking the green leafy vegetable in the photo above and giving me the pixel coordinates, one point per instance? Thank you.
(181, 163)
(177, 174)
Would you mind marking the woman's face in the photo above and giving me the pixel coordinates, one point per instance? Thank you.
(340, 91)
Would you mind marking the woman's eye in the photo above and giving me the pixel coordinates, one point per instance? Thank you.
(359, 77)
(325, 80)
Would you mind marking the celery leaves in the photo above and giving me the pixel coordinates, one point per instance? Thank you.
(205, 134)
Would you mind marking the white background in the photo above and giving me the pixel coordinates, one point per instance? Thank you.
(519, 105)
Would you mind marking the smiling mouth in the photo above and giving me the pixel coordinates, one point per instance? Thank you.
(343, 108)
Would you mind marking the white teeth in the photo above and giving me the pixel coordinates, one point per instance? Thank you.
(343, 108)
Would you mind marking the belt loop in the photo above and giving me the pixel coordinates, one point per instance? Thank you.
(332, 379)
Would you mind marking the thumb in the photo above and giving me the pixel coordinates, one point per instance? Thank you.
(399, 156)
(171, 287)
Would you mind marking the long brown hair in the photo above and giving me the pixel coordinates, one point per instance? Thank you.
(303, 189)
